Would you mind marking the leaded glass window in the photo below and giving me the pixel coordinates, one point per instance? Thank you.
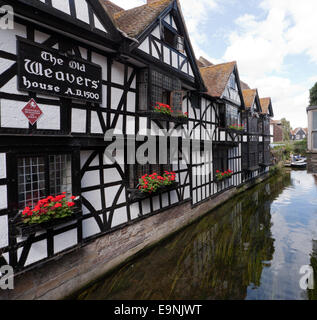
(232, 115)
(41, 176)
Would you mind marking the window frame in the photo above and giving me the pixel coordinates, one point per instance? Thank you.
(218, 150)
(12, 168)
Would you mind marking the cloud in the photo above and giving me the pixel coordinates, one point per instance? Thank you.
(261, 47)
(260, 44)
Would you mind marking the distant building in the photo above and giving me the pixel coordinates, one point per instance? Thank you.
(298, 134)
(277, 130)
(312, 139)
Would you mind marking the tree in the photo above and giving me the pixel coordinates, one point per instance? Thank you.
(313, 95)
(286, 127)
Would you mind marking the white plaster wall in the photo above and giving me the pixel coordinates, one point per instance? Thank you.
(90, 178)
(145, 45)
(90, 227)
(102, 61)
(37, 252)
(110, 194)
(11, 114)
(134, 210)
(8, 38)
(61, 5)
(118, 73)
(4, 237)
(98, 24)
(3, 167)
(94, 197)
(119, 217)
(116, 95)
(3, 197)
(50, 118)
(95, 123)
(82, 11)
(65, 240)
(79, 120)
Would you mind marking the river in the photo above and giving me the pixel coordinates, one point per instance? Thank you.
(252, 247)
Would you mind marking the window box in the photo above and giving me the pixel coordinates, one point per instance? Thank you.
(254, 168)
(23, 229)
(136, 194)
(223, 176)
(164, 117)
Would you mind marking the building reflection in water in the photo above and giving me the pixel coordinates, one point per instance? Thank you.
(218, 257)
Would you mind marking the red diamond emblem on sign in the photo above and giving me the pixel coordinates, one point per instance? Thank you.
(32, 111)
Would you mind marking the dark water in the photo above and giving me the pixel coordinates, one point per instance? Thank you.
(250, 248)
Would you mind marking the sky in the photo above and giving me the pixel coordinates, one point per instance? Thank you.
(273, 42)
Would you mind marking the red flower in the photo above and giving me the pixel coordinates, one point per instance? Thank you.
(70, 204)
(58, 205)
(73, 197)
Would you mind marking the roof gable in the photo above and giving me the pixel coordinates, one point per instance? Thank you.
(216, 78)
(136, 20)
(266, 105)
(251, 99)
(147, 24)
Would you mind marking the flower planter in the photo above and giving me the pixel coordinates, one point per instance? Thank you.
(222, 180)
(136, 194)
(24, 229)
(164, 117)
(230, 130)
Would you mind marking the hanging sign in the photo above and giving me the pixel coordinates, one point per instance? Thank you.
(45, 70)
(32, 111)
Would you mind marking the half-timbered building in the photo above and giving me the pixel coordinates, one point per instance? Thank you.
(71, 71)
(250, 145)
(265, 132)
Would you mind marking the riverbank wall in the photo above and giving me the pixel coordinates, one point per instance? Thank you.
(61, 277)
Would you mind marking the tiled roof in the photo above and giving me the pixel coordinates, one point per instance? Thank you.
(203, 62)
(300, 128)
(244, 86)
(135, 20)
(265, 103)
(216, 77)
(111, 7)
(248, 97)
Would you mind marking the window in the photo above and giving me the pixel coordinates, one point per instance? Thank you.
(253, 124)
(232, 82)
(220, 162)
(260, 125)
(250, 155)
(41, 176)
(180, 46)
(222, 116)
(232, 115)
(166, 89)
(143, 80)
(169, 37)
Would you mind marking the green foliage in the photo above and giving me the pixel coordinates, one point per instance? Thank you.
(313, 95)
(286, 127)
(300, 147)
